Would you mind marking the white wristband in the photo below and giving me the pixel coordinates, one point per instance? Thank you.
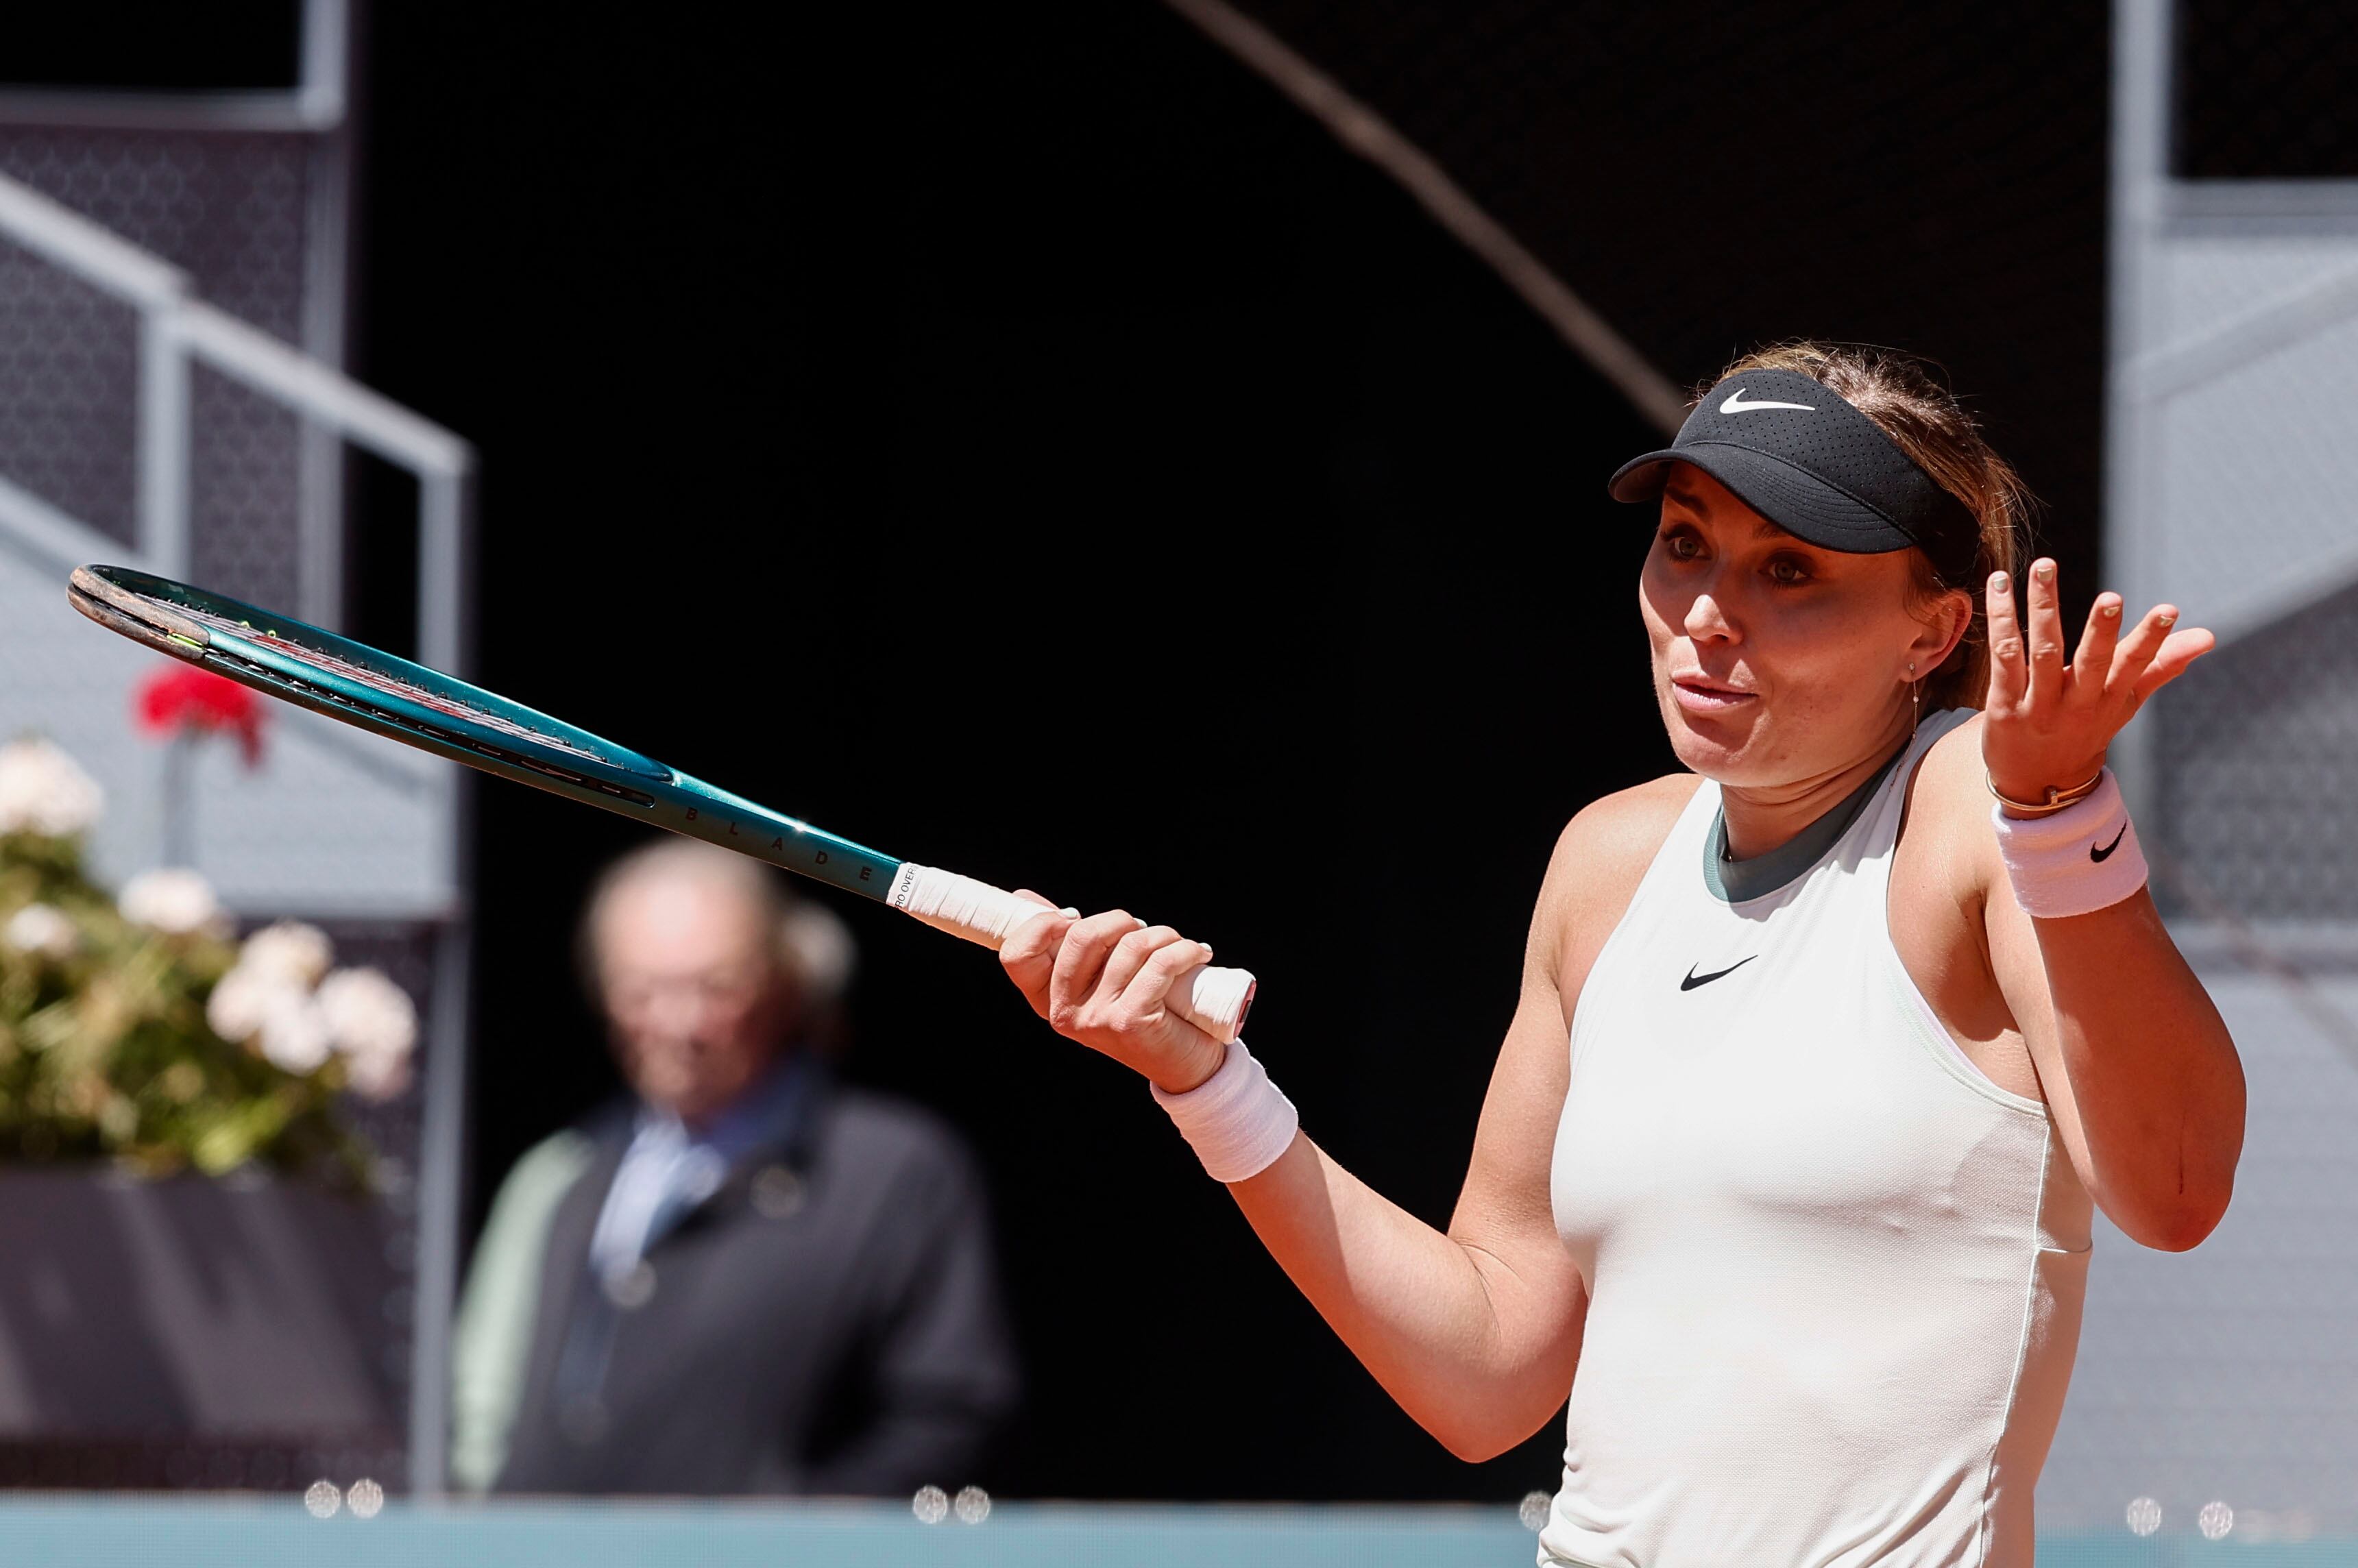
(1236, 1121)
(2076, 862)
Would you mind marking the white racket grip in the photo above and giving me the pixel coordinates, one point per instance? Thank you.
(1212, 999)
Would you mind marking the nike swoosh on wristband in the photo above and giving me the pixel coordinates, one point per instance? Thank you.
(1734, 404)
(2099, 855)
(1694, 979)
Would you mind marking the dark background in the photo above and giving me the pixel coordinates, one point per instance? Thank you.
(2262, 91)
(1022, 440)
(1032, 449)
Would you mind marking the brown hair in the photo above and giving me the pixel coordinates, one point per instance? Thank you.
(1926, 421)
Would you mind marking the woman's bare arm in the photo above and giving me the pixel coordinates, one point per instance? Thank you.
(1474, 1331)
(2136, 1058)
(2137, 1065)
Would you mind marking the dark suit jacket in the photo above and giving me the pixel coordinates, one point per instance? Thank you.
(828, 1323)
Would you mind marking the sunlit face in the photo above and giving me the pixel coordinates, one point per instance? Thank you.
(696, 1000)
(1776, 662)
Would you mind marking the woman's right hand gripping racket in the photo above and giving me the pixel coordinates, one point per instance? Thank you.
(1212, 999)
(1127, 990)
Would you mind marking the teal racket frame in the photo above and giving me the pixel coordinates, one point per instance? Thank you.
(453, 718)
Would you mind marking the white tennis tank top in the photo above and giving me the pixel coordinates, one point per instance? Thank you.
(1835, 1274)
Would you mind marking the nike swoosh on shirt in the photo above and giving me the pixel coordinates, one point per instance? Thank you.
(2098, 855)
(1694, 979)
(1734, 404)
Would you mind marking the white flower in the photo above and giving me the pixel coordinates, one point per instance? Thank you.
(242, 999)
(369, 1016)
(41, 928)
(171, 900)
(374, 1025)
(42, 790)
(295, 1033)
(377, 1077)
(290, 951)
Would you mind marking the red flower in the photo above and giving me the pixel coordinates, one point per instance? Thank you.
(177, 699)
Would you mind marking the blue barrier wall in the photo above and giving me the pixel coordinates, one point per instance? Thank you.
(139, 1533)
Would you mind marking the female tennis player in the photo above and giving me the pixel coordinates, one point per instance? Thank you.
(1787, 1163)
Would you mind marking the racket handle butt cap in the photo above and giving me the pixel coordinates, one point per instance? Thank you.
(1218, 999)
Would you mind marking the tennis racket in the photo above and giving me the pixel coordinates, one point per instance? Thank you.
(357, 685)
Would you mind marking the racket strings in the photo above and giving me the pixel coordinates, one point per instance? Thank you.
(265, 675)
(382, 680)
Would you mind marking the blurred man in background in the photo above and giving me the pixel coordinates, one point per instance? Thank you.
(745, 1278)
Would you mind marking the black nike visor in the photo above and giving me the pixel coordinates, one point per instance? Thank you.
(1812, 464)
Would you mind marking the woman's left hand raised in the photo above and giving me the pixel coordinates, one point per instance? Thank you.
(2048, 723)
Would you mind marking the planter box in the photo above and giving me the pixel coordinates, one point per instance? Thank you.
(196, 1333)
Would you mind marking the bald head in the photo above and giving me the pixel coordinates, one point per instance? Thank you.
(690, 952)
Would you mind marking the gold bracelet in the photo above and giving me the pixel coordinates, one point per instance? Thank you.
(2057, 799)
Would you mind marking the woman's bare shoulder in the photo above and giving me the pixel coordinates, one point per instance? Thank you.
(1600, 858)
(1948, 821)
(1622, 830)
(1951, 788)
(1953, 766)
